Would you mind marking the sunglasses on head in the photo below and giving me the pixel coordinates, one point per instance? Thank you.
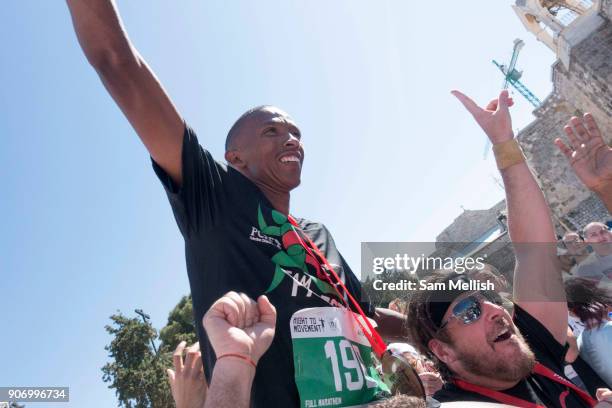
(469, 309)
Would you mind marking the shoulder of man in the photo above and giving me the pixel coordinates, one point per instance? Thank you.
(307, 225)
(451, 393)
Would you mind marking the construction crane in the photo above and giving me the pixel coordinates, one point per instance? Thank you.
(512, 75)
(556, 6)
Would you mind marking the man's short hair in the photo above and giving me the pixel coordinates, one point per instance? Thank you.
(235, 129)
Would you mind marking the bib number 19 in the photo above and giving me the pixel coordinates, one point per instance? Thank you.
(352, 366)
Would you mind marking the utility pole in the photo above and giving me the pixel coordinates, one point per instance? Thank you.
(145, 319)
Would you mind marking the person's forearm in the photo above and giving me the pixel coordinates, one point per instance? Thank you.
(529, 219)
(532, 233)
(100, 31)
(538, 287)
(230, 386)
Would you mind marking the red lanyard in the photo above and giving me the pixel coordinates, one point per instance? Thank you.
(377, 343)
(518, 402)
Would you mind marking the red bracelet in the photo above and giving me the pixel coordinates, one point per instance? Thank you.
(246, 358)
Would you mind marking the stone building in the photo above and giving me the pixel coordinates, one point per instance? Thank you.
(580, 34)
(478, 233)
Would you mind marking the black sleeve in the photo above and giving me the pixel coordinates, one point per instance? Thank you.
(196, 203)
(354, 286)
(541, 341)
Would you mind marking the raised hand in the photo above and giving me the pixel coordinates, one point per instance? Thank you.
(494, 119)
(187, 380)
(587, 153)
(237, 324)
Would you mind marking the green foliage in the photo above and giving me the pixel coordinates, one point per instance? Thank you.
(180, 326)
(135, 372)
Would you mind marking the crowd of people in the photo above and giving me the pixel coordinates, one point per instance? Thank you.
(588, 254)
(284, 322)
(515, 356)
(586, 264)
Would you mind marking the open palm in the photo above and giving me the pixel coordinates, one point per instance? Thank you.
(587, 153)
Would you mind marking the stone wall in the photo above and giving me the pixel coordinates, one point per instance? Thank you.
(606, 9)
(471, 224)
(585, 87)
(562, 189)
(588, 82)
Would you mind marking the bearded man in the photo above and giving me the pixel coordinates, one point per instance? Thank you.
(487, 349)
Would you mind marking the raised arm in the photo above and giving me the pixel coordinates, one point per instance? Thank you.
(537, 280)
(240, 331)
(589, 156)
(130, 81)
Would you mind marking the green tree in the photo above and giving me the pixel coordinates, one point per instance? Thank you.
(136, 372)
(180, 326)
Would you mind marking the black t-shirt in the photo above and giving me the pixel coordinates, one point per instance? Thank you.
(234, 240)
(535, 388)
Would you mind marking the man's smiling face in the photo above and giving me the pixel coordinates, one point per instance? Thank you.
(490, 346)
(266, 147)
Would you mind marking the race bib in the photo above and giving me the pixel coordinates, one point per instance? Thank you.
(333, 359)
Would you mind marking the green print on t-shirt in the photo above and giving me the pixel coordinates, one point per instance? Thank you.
(294, 254)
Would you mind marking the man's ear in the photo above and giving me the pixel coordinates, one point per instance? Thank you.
(233, 157)
(443, 351)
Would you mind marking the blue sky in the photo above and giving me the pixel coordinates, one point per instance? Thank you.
(390, 154)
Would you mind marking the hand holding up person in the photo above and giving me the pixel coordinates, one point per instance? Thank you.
(187, 380)
(240, 331)
(589, 156)
(236, 324)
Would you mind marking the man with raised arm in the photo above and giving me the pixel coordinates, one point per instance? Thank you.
(485, 352)
(235, 219)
